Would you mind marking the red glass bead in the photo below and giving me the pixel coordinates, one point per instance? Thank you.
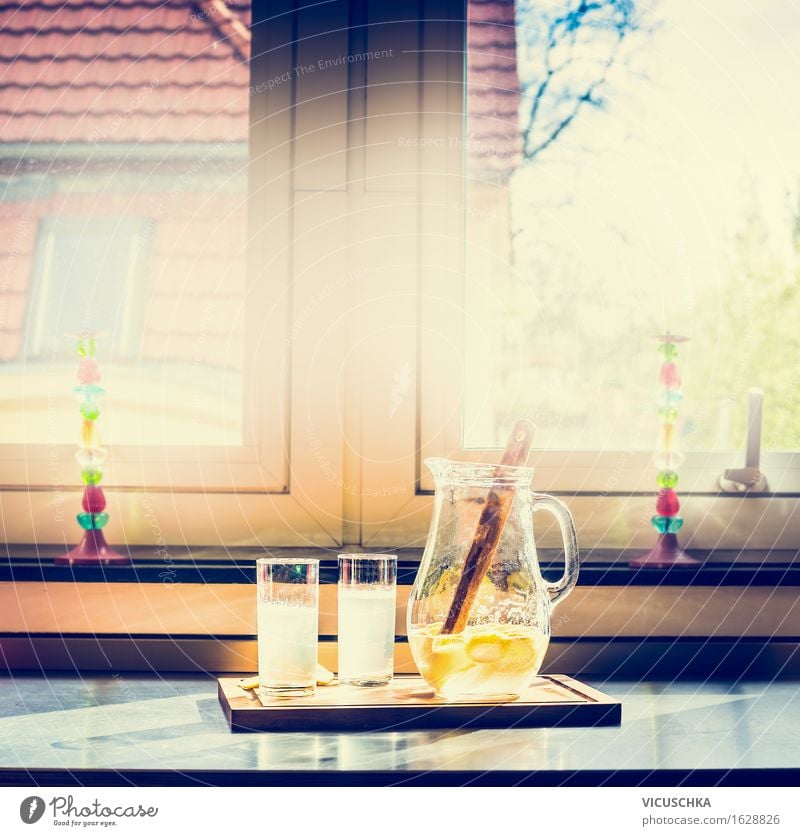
(669, 376)
(94, 500)
(667, 504)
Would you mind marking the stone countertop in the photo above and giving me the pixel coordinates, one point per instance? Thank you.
(123, 729)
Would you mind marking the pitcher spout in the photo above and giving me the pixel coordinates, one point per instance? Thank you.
(439, 468)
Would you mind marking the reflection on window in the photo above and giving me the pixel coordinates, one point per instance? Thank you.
(123, 184)
(633, 169)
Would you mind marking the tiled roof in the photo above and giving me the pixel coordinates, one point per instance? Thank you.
(493, 100)
(123, 71)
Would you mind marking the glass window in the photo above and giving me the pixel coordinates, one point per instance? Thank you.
(123, 200)
(633, 170)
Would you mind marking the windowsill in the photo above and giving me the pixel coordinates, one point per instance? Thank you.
(212, 565)
(738, 614)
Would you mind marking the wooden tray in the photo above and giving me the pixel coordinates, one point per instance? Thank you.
(407, 704)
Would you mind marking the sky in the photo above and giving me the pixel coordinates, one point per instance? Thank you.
(706, 109)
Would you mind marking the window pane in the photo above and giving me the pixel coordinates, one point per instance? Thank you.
(633, 170)
(123, 186)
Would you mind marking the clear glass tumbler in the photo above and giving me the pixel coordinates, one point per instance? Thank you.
(288, 616)
(367, 605)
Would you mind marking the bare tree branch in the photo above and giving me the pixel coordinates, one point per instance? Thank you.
(574, 33)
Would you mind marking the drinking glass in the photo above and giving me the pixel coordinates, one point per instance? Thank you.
(367, 603)
(288, 614)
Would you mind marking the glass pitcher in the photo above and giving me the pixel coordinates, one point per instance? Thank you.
(497, 643)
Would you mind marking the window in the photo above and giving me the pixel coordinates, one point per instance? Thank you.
(637, 166)
(323, 253)
(142, 196)
(128, 217)
(629, 170)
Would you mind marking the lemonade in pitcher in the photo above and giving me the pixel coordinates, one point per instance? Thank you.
(482, 633)
(484, 660)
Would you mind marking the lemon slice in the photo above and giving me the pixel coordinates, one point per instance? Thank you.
(486, 648)
(448, 643)
(249, 683)
(447, 658)
(324, 677)
(520, 655)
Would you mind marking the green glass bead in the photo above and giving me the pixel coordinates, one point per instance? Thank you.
(674, 525)
(91, 476)
(668, 414)
(667, 479)
(90, 410)
(86, 347)
(669, 350)
(667, 525)
(660, 524)
(88, 391)
(92, 521)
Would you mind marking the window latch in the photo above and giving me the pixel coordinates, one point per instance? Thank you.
(749, 479)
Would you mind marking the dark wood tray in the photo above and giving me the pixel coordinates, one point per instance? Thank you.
(407, 704)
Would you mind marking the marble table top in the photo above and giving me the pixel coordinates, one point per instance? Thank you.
(105, 729)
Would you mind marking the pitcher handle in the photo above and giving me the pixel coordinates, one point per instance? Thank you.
(563, 586)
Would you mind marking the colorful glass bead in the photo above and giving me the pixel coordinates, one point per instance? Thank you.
(86, 347)
(667, 438)
(669, 377)
(88, 371)
(94, 500)
(673, 396)
(89, 391)
(91, 476)
(667, 479)
(668, 414)
(90, 410)
(674, 525)
(669, 460)
(89, 436)
(667, 504)
(93, 458)
(669, 350)
(667, 525)
(92, 521)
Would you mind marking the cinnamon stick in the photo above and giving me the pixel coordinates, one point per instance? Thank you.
(490, 526)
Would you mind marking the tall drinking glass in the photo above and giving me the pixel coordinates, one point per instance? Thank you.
(367, 603)
(288, 615)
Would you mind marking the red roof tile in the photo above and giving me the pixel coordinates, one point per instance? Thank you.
(128, 71)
